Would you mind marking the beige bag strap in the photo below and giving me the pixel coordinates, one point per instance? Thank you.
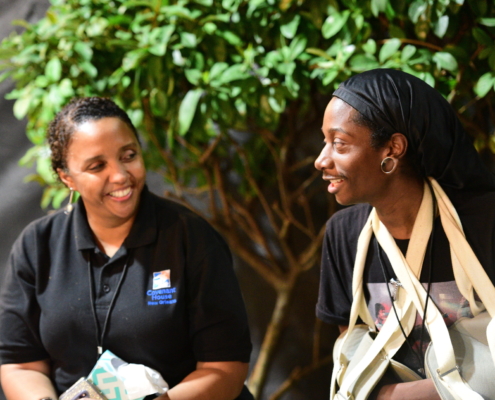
(467, 265)
(467, 260)
(447, 369)
(390, 337)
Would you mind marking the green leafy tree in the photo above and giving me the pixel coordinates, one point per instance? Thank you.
(228, 96)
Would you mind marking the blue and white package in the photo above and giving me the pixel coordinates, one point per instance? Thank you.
(119, 380)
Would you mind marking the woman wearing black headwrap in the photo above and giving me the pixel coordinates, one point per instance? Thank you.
(386, 132)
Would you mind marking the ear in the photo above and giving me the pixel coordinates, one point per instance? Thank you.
(397, 146)
(65, 178)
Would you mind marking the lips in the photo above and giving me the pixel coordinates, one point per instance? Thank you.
(334, 181)
(121, 194)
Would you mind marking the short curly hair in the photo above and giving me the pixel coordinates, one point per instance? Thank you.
(76, 112)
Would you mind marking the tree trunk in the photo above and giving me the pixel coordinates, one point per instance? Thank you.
(258, 375)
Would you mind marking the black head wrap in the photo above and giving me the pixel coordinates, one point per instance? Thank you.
(400, 102)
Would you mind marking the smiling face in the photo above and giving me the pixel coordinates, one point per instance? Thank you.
(105, 165)
(348, 161)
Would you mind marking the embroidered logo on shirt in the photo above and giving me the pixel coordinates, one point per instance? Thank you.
(161, 279)
(162, 292)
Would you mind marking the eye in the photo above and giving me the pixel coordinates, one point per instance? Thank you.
(97, 166)
(129, 155)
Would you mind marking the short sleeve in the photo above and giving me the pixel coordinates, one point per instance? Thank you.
(337, 264)
(19, 310)
(218, 319)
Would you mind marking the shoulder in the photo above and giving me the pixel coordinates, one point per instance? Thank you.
(37, 238)
(349, 221)
(44, 227)
(475, 209)
(175, 217)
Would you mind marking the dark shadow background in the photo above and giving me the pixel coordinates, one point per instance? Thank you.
(20, 204)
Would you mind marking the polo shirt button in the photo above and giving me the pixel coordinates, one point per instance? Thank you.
(106, 288)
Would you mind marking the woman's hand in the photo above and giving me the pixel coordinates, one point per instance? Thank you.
(417, 390)
(27, 381)
(221, 380)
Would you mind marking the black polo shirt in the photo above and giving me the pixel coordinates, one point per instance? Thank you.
(190, 310)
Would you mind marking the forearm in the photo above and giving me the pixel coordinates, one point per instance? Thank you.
(210, 381)
(29, 381)
(418, 390)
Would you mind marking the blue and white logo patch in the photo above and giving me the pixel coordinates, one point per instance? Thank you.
(161, 279)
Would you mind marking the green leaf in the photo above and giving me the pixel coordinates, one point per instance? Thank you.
(193, 76)
(407, 52)
(276, 100)
(417, 9)
(233, 73)
(230, 37)
(132, 59)
(44, 169)
(188, 109)
(297, 46)
(188, 39)
(378, 6)
(445, 60)
(389, 48)
(207, 3)
(334, 23)
(289, 29)
(84, 50)
(21, 107)
(370, 46)
(65, 88)
(59, 196)
(440, 27)
(482, 37)
(484, 84)
(89, 68)
(158, 102)
(329, 76)
(487, 21)
(53, 69)
(486, 52)
(160, 36)
(210, 28)
(217, 69)
(363, 62)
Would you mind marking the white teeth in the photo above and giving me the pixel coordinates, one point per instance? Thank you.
(336, 180)
(120, 193)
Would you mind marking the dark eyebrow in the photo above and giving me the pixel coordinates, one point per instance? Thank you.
(332, 130)
(122, 148)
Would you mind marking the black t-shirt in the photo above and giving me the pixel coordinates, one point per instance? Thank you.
(477, 214)
(175, 296)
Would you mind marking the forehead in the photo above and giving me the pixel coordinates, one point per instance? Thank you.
(102, 132)
(341, 117)
(339, 111)
(104, 137)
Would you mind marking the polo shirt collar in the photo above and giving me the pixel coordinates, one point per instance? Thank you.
(143, 231)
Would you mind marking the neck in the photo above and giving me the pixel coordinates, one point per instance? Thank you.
(399, 210)
(108, 237)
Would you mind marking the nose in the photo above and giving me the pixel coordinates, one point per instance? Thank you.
(324, 160)
(118, 173)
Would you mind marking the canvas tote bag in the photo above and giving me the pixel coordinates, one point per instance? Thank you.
(360, 361)
(361, 354)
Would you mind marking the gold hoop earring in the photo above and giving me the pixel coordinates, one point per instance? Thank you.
(69, 206)
(385, 161)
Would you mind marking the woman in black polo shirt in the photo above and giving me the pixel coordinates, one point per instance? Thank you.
(120, 270)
